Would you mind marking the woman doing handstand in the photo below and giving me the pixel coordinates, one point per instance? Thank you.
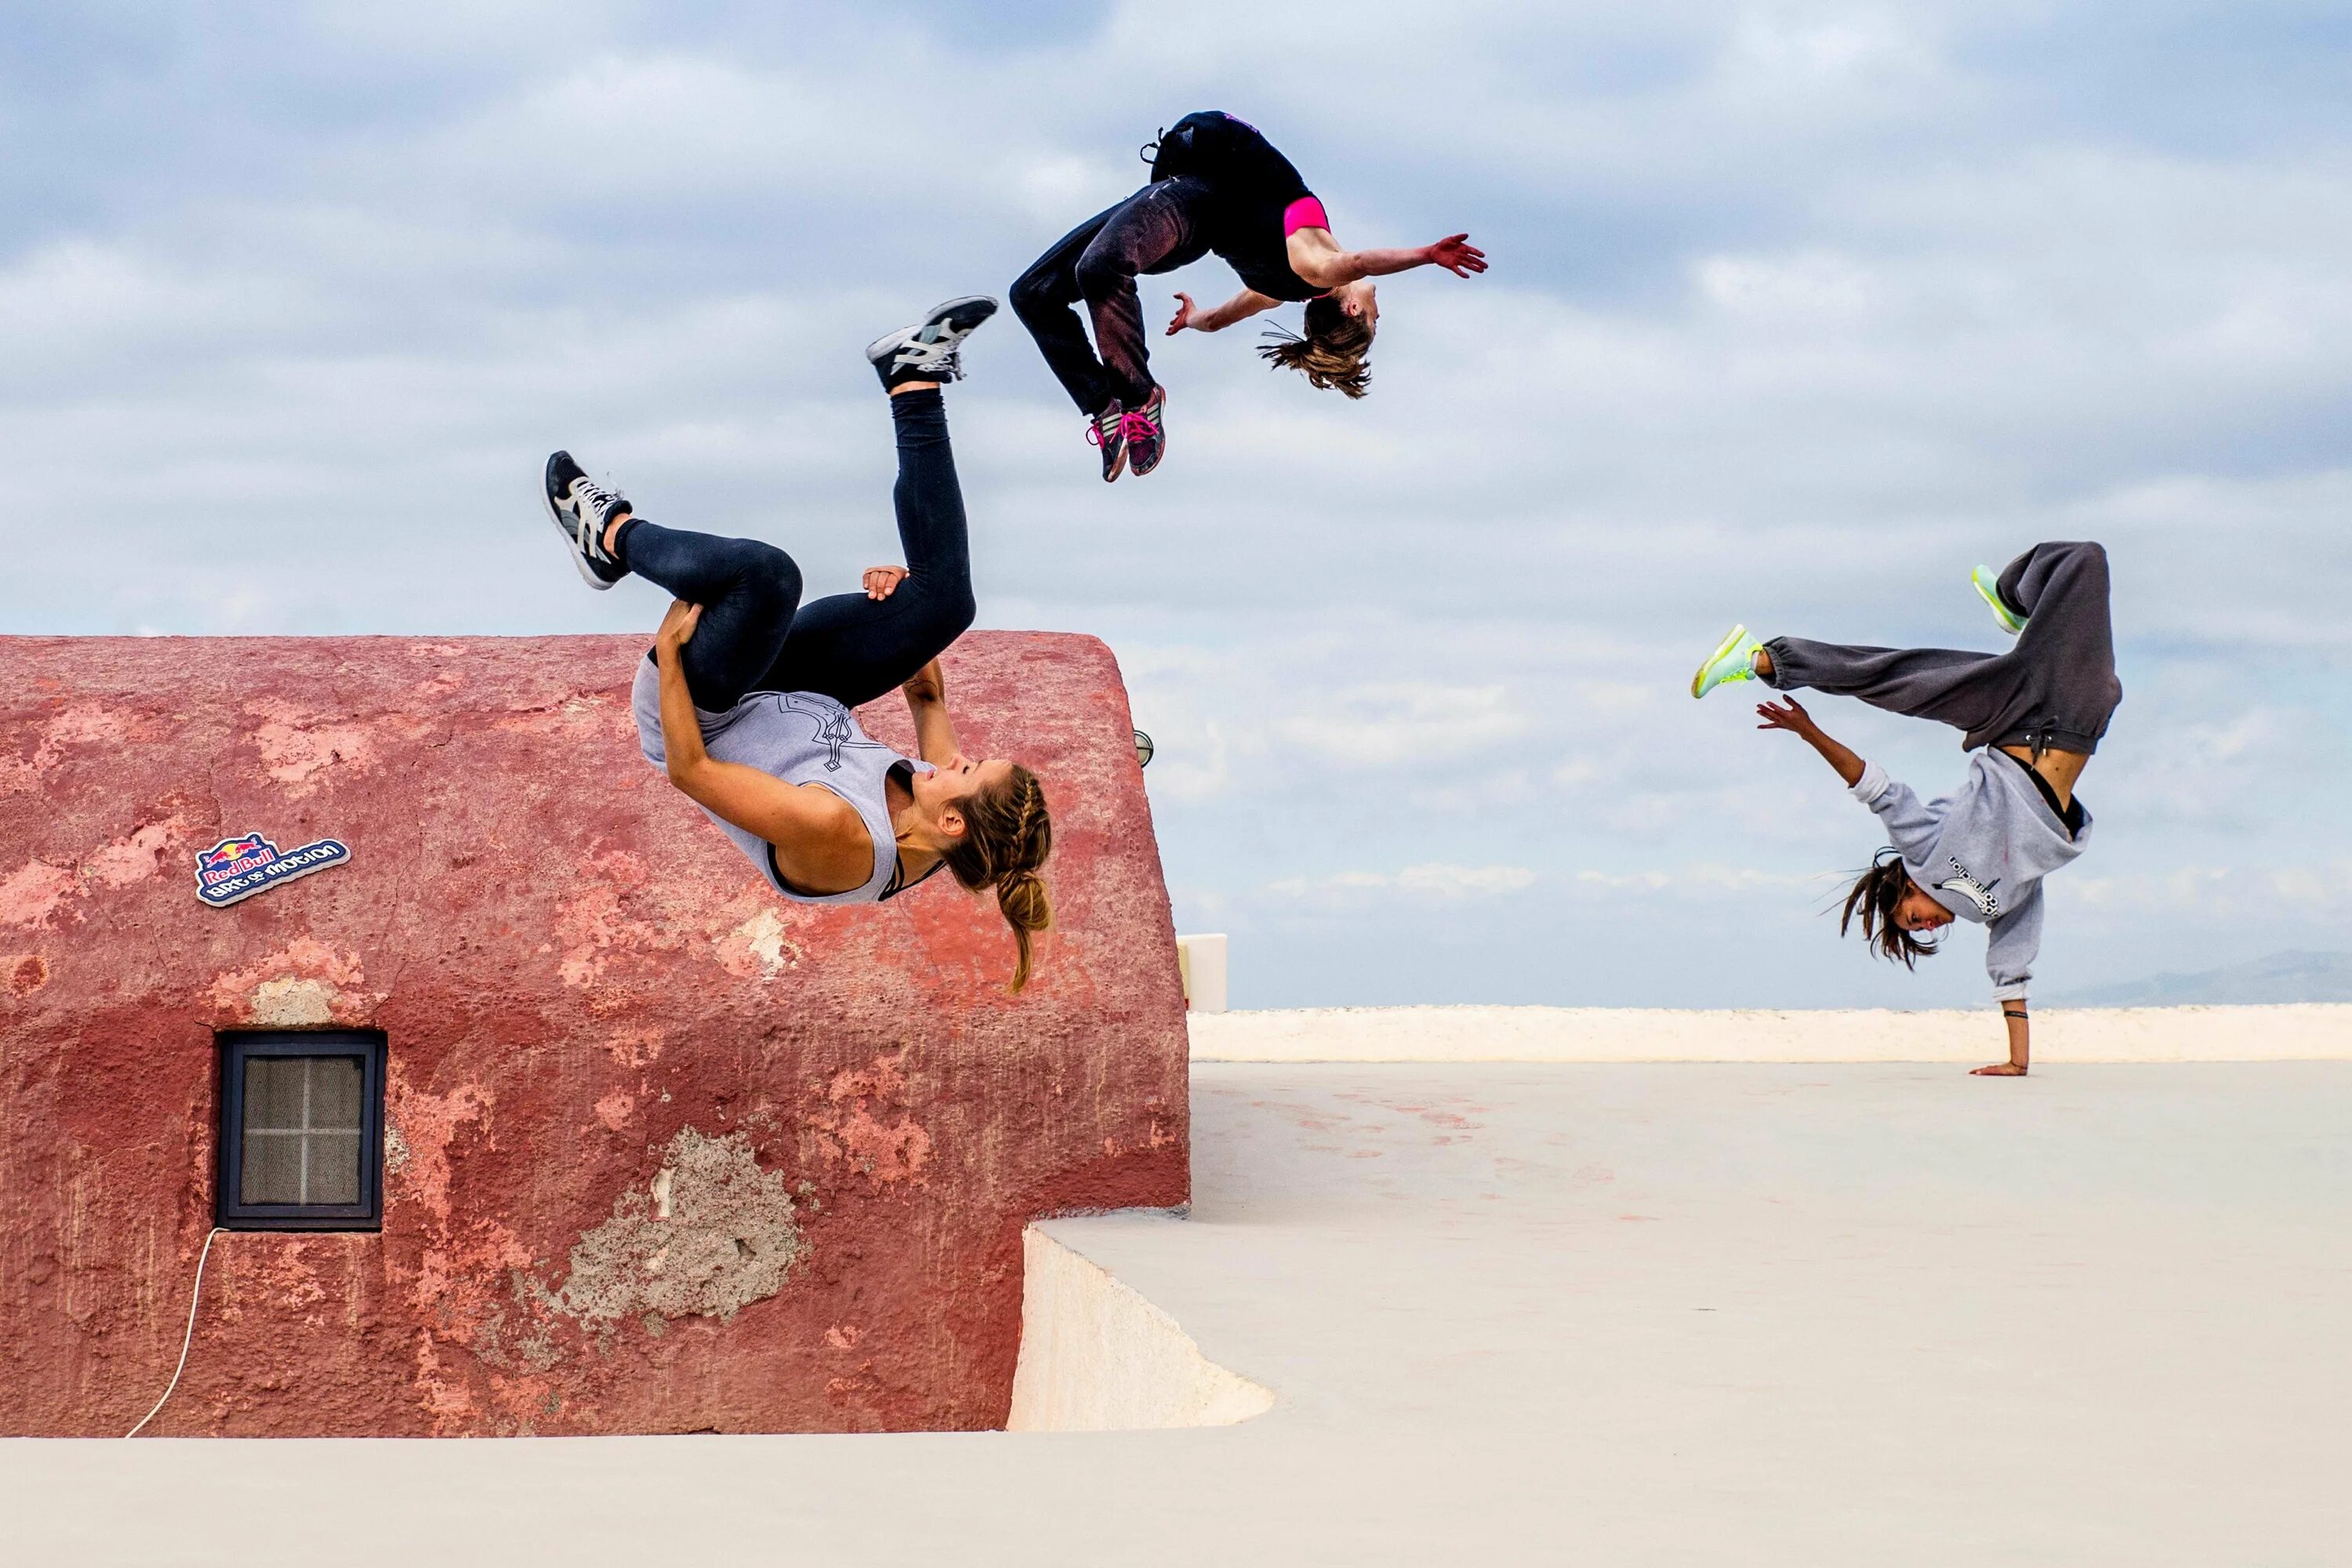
(746, 698)
(1216, 185)
(2033, 716)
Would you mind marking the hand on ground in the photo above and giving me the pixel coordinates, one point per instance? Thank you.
(881, 582)
(1998, 1069)
(1788, 715)
(1458, 255)
(1184, 315)
(677, 626)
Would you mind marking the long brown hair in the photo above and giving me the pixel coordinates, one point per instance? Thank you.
(1007, 836)
(1872, 899)
(1331, 354)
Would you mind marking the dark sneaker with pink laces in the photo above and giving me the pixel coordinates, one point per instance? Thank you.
(1108, 431)
(1146, 434)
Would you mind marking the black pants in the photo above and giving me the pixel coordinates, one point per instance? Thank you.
(1161, 227)
(2056, 688)
(755, 634)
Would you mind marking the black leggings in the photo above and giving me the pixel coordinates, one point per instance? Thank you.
(755, 634)
(1161, 227)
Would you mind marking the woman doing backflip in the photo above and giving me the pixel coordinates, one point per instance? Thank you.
(1216, 185)
(2033, 716)
(746, 698)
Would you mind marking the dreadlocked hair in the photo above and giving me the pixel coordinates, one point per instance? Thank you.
(1007, 836)
(1872, 901)
(1331, 354)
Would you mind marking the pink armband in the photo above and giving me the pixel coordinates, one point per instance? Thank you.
(1307, 212)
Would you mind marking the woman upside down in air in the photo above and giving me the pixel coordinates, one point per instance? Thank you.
(746, 699)
(1216, 185)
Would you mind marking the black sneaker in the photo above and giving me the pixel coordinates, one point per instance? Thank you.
(580, 508)
(1146, 434)
(1108, 431)
(927, 350)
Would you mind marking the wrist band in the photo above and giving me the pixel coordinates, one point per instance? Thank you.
(2013, 1012)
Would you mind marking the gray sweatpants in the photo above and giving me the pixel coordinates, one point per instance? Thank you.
(2054, 690)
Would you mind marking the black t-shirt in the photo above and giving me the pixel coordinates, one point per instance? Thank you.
(1252, 185)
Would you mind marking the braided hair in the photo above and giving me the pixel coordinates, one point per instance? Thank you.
(1007, 836)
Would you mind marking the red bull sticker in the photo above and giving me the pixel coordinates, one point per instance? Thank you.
(236, 868)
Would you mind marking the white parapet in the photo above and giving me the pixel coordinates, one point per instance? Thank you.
(2312, 1032)
(1097, 1357)
(1202, 960)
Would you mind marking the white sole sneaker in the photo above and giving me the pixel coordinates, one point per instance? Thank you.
(928, 350)
(574, 530)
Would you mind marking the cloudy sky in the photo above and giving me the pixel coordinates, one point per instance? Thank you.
(1798, 312)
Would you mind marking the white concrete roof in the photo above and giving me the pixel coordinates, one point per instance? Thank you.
(1594, 1314)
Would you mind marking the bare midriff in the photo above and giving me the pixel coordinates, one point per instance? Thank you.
(2058, 769)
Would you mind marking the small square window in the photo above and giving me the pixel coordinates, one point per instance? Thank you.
(301, 1132)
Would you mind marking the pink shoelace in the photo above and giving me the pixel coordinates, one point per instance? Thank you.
(1130, 427)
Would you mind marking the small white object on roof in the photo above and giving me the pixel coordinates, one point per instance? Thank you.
(1202, 961)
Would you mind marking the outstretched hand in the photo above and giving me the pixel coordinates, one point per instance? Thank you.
(1184, 308)
(881, 582)
(1789, 714)
(677, 627)
(1456, 255)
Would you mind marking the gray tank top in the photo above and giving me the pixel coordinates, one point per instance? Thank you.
(801, 738)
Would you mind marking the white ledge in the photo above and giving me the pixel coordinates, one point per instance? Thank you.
(1097, 1357)
(2315, 1032)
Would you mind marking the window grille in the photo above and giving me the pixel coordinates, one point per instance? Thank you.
(301, 1133)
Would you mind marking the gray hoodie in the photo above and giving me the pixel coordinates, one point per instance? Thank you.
(1981, 852)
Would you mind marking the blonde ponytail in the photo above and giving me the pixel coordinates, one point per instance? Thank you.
(1027, 909)
(1008, 834)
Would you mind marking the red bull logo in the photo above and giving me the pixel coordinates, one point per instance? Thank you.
(221, 860)
(236, 868)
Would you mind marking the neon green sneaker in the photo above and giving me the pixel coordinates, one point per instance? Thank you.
(1987, 582)
(1733, 659)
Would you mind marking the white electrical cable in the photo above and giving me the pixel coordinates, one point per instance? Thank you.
(185, 1340)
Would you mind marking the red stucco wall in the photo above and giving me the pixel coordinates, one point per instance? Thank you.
(584, 988)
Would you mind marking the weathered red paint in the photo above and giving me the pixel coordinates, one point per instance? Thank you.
(579, 979)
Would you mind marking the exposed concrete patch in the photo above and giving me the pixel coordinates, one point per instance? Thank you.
(303, 984)
(759, 947)
(293, 1004)
(711, 1234)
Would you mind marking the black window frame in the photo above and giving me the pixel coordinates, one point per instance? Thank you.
(240, 1046)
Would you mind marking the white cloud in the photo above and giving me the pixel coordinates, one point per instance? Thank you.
(1416, 721)
(1703, 880)
(1797, 312)
(1433, 880)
